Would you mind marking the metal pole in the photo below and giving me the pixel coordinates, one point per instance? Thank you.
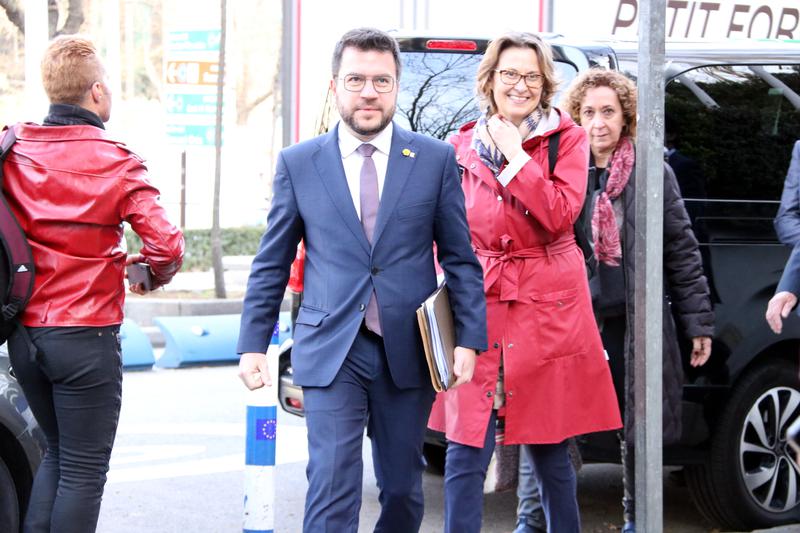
(183, 189)
(649, 268)
(35, 45)
(130, 50)
(216, 237)
(287, 56)
(111, 37)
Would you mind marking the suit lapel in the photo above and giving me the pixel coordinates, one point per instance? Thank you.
(398, 171)
(328, 162)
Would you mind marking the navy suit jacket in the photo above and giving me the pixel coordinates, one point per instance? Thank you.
(421, 204)
(790, 280)
(787, 222)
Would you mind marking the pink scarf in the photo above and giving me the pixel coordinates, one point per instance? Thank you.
(607, 246)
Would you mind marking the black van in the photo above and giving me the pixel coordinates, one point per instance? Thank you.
(732, 117)
(22, 446)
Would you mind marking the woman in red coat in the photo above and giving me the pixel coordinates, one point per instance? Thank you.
(544, 378)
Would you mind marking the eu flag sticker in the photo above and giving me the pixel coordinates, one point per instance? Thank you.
(261, 434)
(265, 429)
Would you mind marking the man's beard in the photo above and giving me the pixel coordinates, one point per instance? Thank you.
(349, 119)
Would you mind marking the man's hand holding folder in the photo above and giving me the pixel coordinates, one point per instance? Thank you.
(464, 365)
(449, 365)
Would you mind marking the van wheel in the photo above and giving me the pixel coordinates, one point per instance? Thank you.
(9, 505)
(752, 479)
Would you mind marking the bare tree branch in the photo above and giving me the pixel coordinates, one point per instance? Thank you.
(245, 110)
(75, 16)
(14, 13)
(74, 20)
(52, 17)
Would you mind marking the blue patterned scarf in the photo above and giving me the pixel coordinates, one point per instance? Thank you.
(482, 142)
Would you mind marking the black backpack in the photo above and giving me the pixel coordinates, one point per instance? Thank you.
(16, 259)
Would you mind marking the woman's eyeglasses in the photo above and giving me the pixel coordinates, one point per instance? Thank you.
(511, 77)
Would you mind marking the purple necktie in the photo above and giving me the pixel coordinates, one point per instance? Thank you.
(369, 212)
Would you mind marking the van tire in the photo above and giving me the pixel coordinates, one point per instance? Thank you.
(719, 487)
(9, 504)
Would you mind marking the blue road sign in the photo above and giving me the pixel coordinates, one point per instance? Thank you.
(194, 41)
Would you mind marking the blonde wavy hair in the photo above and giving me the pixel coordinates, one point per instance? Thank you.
(492, 56)
(69, 68)
(597, 77)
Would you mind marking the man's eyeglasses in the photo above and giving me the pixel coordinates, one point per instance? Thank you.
(356, 82)
(511, 77)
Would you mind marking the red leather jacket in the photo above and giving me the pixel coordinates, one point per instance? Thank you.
(71, 187)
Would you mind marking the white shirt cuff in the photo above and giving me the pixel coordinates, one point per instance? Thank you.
(513, 167)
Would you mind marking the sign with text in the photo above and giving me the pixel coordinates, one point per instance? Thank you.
(194, 41)
(191, 70)
(685, 19)
(203, 104)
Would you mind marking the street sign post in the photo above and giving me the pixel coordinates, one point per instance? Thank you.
(191, 68)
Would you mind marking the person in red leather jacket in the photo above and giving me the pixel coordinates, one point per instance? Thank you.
(71, 186)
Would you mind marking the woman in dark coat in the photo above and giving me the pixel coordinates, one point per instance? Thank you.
(603, 102)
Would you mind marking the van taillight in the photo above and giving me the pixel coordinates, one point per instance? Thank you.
(294, 402)
(441, 44)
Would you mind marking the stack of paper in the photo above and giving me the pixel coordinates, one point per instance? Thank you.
(438, 337)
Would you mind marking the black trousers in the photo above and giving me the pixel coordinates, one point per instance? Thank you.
(72, 379)
(613, 336)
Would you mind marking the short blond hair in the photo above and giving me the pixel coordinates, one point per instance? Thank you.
(614, 80)
(69, 68)
(492, 57)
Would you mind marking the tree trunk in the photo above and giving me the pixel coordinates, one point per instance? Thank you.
(74, 20)
(73, 23)
(14, 13)
(216, 242)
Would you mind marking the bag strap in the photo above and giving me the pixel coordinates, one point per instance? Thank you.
(19, 250)
(552, 150)
(8, 141)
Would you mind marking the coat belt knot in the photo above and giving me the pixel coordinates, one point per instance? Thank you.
(504, 265)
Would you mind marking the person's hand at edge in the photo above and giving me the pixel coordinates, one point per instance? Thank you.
(463, 365)
(701, 350)
(253, 370)
(136, 288)
(779, 308)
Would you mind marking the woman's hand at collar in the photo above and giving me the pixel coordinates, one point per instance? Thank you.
(505, 135)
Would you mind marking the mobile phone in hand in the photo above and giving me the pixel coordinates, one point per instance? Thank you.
(140, 273)
(793, 435)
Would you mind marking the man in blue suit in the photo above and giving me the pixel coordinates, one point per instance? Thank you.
(787, 227)
(787, 222)
(370, 200)
(786, 294)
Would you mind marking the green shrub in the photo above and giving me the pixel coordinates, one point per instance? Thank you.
(235, 241)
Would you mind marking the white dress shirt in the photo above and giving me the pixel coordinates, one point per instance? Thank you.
(352, 160)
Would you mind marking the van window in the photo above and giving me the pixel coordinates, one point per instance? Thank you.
(733, 127)
(739, 123)
(437, 91)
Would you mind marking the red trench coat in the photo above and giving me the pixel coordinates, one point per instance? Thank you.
(539, 310)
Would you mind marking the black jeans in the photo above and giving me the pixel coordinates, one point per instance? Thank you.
(72, 378)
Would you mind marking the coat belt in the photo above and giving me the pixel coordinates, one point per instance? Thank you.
(504, 265)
